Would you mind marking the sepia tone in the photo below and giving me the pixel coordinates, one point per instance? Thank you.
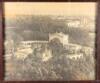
(49, 43)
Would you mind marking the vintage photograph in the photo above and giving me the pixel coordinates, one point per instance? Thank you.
(49, 41)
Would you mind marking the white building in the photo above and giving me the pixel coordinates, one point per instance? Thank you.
(73, 23)
(33, 42)
(61, 36)
(73, 47)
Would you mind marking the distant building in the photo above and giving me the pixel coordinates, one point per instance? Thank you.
(75, 56)
(73, 47)
(73, 23)
(33, 42)
(88, 50)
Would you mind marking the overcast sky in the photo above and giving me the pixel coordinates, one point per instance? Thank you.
(50, 8)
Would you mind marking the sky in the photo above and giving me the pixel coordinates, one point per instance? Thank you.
(50, 8)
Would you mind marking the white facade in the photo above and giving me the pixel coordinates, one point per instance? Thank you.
(74, 23)
(62, 37)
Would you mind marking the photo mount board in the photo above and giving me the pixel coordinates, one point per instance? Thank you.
(97, 49)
